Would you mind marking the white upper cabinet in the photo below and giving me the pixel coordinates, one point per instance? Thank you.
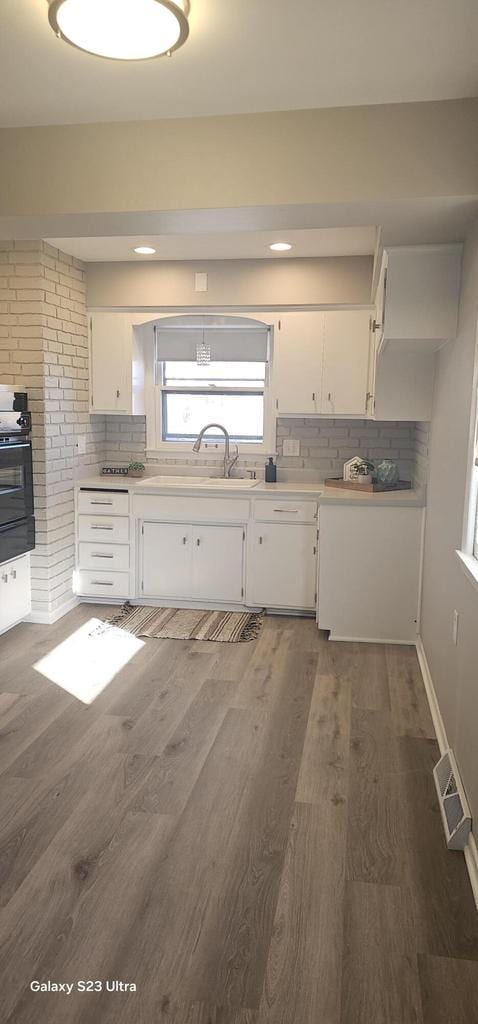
(345, 380)
(321, 363)
(116, 365)
(298, 357)
(418, 295)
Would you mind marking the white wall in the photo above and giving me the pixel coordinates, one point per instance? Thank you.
(454, 669)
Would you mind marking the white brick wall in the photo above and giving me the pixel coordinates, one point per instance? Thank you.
(44, 346)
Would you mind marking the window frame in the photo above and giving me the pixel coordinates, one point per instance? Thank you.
(468, 554)
(211, 449)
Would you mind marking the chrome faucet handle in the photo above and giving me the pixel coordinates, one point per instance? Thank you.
(252, 474)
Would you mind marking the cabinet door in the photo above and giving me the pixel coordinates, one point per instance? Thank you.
(166, 560)
(346, 363)
(218, 563)
(15, 591)
(282, 561)
(110, 363)
(298, 351)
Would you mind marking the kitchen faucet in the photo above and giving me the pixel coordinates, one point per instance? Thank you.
(229, 462)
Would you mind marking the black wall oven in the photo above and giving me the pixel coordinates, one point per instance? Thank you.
(17, 524)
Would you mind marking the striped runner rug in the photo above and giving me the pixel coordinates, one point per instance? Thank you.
(189, 624)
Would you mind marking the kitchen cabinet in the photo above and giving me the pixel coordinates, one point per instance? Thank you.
(15, 591)
(282, 562)
(418, 295)
(345, 378)
(217, 563)
(166, 560)
(116, 365)
(322, 363)
(192, 562)
(369, 567)
(298, 356)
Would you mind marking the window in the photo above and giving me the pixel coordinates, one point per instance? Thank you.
(212, 374)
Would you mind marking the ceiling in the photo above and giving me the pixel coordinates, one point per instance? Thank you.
(245, 57)
(357, 241)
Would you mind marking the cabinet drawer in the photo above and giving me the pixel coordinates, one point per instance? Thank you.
(103, 503)
(102, 584)
(273, 510)
(190, 510)
(104, 556)
(103, 530)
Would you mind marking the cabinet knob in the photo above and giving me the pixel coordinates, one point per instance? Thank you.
(184, 540)
(260, 540)
(5, 577)
(198, 541)
(117, 393)
(313, 396)
(13, 574)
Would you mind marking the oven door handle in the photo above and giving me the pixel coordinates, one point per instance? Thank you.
(21, 444)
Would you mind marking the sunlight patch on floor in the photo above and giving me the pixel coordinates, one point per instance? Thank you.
(86, 662)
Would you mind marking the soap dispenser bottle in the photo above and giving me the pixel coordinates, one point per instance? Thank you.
(271, 471)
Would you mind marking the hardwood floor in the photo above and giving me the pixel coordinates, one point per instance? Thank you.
(248, 833)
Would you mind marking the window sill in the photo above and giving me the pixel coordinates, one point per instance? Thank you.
(469, 565)
(176, 451)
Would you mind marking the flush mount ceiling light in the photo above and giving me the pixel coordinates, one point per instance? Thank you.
(280, 246)
(121, 29)
(144, 250)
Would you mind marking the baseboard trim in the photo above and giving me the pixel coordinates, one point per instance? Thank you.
(471, 858)
(369, 639)
(432, 698)
(49, 618)
(471, 849)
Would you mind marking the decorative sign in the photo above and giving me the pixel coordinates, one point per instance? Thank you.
(115, 471)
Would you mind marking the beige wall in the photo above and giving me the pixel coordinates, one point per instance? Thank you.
(454, 669)
(311, 156)
(333, 281)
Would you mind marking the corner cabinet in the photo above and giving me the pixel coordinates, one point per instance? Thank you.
(116, 365)
(322, 363)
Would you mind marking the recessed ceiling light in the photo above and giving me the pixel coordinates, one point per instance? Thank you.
(280, 246)
(121, 29)
(144, 250)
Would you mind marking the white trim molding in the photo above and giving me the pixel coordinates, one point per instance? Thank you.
(471, 849)
(49, 618)
(435, 712)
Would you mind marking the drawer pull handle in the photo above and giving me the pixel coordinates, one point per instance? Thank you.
(94, 502)
(94, 555)
(286, 510)
(101, 583)
(101, 527)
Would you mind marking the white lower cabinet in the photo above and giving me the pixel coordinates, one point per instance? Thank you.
(369, 568)
(217, 563)
(282, 565)
(192, 562)
(15, 591)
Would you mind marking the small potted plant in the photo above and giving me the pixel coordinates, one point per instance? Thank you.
(364, 470)
(136, 469)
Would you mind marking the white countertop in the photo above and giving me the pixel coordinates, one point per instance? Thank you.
(161, 484)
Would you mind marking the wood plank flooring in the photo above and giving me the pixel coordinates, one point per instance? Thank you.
(247, 832)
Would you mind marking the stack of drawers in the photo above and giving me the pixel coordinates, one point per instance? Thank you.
(103, 543)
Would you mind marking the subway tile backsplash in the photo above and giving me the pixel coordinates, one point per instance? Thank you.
(324, 446)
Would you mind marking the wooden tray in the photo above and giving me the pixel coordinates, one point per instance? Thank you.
(349, 485)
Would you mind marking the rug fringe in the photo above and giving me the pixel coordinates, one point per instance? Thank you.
(253, 627)
(118, 618)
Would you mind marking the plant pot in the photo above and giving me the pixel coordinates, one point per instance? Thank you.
(363, 479)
